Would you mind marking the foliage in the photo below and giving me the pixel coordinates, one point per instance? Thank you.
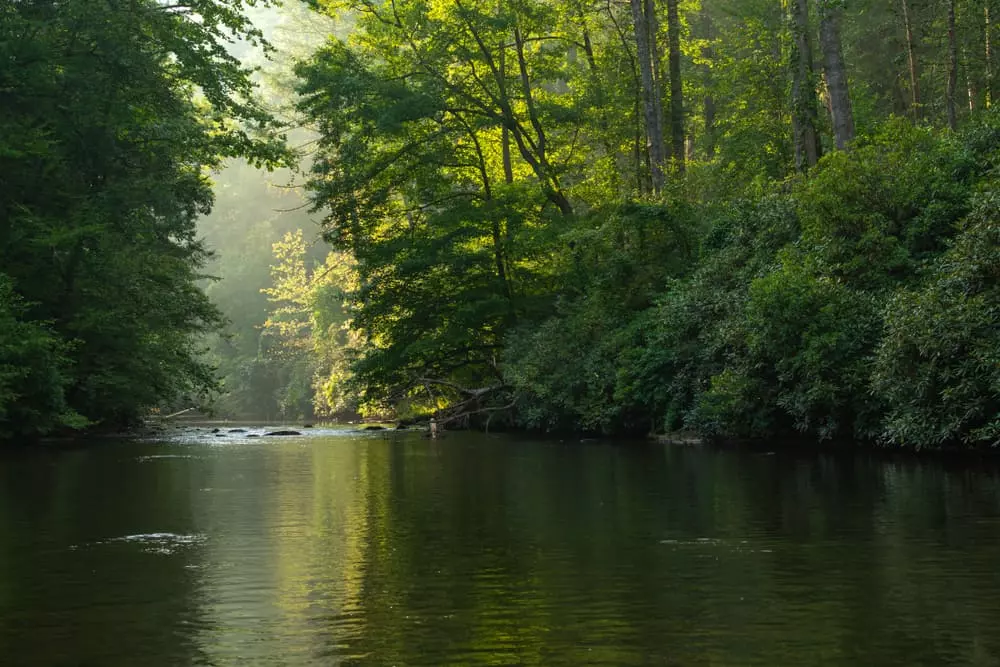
(803, 313)
(489, 177)
(33, 373)
(309, 328)
(113, 113)
(494, 171)
(938, 364)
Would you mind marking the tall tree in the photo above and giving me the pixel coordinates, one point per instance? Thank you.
(988, 45)
(443, 146)
(643, 22)
(677, 134)
(708, 102)
(836, 74)
(804, 114)
(911, 56)
(952, 88)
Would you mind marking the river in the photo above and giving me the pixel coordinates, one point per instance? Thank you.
(340, 548)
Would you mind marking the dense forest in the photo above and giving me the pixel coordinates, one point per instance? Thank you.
(738, 218)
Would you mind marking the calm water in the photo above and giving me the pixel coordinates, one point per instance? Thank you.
(385, 550)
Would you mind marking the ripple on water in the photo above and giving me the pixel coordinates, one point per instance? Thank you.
(153, 543)
(153, 457)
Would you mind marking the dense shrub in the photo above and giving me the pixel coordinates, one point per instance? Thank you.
(938, 365)
(861, 302)
(32, 373)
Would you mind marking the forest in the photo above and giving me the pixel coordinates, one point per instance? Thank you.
(730, 218)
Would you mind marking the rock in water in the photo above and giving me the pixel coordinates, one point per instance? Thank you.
(283, 433)
(374, 428)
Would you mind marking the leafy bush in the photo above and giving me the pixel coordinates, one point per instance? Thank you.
(32, 373)
(938, 366)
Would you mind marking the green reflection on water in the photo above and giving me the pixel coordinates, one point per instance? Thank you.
(483, 550)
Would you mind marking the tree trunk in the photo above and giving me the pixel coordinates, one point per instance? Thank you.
(836, 74)
(912, 57)
(645, 45)
(534, 150)
(676, 88)
(989, 57)
(970, 86)
(806, 138)
(653, 25)
(508, 167)
(952, 68)
(708, 104)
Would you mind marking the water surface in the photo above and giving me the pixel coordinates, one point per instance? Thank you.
(386, 549)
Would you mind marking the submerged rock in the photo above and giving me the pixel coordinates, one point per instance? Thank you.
(283, 433)
(237, 430)
(373, 428)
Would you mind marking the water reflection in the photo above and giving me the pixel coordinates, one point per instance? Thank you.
(484, 550)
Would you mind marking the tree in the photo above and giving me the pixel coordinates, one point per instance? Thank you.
(804, 120)
(952, 68)
(836, 74)
(988, 53)
(309, 325)
(911, 55)
(113, 118)
(644, 25)
(677, 133)
(445, 137)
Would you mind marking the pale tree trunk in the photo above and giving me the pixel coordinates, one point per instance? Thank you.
(637, 152)
(645, 42)
(970, 85)
(952, 68)
(653, 24)
(911, 52)
(836, 74)
(989, 56)
(708, 104)
(806, 138)
(676, 87)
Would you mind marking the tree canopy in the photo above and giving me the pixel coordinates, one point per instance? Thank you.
(743, 219)
(114, 114)
(660, 215)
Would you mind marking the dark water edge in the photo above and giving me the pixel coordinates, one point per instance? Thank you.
(953, 454)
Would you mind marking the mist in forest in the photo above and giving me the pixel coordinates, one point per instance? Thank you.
(255, 209)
